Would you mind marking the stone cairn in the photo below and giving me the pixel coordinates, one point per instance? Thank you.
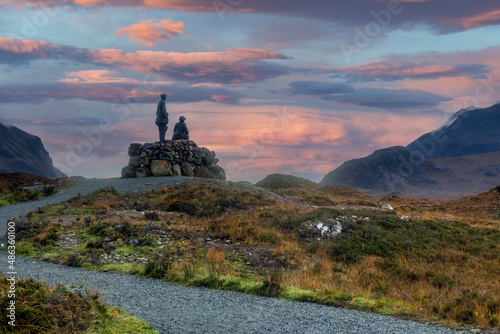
(174, 157)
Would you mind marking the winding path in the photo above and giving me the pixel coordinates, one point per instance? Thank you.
(175, 309)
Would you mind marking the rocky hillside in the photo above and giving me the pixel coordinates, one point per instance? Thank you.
(393, 169)
(23, 152)
(469, 131)
(461, 158)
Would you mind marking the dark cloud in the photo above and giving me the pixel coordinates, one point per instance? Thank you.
(392, 70)
(232, 66)
(389, 98)
(317, 88)
(15, 52)
(366, 97)
(115, 93)
(443, 16)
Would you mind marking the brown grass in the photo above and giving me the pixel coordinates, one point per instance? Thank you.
(450, 284)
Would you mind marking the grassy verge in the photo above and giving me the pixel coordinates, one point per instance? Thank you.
(42, 309)
(15, 187)
(230, 237)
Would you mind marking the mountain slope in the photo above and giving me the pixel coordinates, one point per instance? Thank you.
(460, 158)
(393, 169)
(469, 131)
(23, 152)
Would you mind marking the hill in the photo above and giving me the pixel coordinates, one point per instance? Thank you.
(281, 181)
(23, 152)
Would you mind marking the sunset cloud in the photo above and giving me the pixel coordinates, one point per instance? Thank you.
(392, 70)
(112, 93)
(475, 21)
(150, 33)
(105, 76)
(317, 88)
(389, 98)
(446, 17)
(367, 97)
(233, 66)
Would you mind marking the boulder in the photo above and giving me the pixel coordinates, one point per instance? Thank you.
(387, 206)
(217, 172)
(135, 161)
(202, 171)
(134, 149)
(161, 168)
(187, 169)
(142, 172)
(176, 169)
(128, 172)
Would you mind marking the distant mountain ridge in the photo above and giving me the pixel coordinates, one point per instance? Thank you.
(461, 158)
(469, 131)
(23, 152)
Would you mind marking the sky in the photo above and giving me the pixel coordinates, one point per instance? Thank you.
(284, 86)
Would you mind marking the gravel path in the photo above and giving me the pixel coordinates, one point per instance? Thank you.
(174, 309)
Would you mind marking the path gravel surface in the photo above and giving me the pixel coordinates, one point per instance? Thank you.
(175, 309)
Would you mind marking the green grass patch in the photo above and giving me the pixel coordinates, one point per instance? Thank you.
(43, 309)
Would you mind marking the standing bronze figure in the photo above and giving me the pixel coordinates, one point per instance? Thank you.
(162, 117)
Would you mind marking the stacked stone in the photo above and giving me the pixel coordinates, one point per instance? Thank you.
(174, 157)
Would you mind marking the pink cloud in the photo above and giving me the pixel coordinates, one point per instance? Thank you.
(475, 21)
(232, 66)
(392, 69)
(105, 76)
(247, 53)
(150, 33)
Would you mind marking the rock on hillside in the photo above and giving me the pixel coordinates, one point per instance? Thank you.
(23, 152)
(174, 157)
(469, 131)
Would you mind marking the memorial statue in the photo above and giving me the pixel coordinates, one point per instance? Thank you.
(162, 117)
(180, 129)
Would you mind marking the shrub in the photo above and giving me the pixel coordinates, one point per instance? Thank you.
(271, 286)
(152, 216)
(73, 261)
(48, 238)
(157, 267)
(98, 230)
(183, 206)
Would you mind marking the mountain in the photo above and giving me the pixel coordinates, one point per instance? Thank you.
(385, 171)
(23, 152)
(460, 158)
(469, 131)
